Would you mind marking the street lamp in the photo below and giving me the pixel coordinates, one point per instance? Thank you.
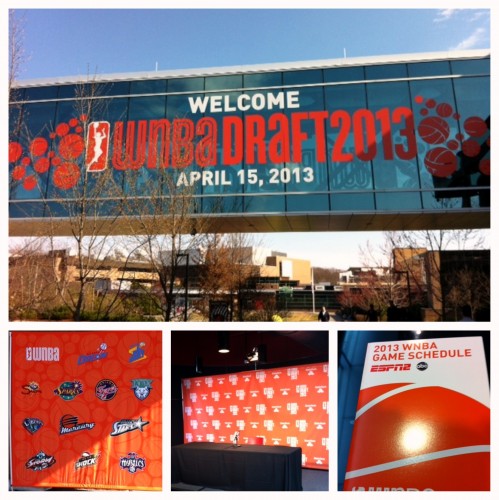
(186, 281)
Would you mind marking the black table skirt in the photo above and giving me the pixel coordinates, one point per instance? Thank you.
(247, 467)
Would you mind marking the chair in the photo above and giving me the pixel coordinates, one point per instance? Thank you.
(255, 440)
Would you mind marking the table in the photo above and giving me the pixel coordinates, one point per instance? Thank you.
(243, 468)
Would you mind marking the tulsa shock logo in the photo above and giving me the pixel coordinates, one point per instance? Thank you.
(128, 425)
(137, 352)
(132, 463)
(69, 390)
(32, 424)
(141, 387)
(40, 461)
(87, 460)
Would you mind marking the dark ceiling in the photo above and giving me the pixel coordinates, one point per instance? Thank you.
(282, 348)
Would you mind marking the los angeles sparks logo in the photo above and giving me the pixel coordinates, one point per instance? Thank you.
(66, 150)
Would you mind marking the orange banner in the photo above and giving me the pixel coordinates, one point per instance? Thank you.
(286, 406)
(86, 409)
(423, 418)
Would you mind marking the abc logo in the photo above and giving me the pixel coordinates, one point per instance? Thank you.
(422, 366)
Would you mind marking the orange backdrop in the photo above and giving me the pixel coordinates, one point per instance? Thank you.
(86, 409)
(286, 406)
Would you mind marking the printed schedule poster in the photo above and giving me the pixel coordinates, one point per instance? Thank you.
(423, 418)
(86, 410)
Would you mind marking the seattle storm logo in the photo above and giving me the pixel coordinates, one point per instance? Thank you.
(141, 388)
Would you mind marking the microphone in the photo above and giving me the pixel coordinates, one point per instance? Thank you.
(236, 438)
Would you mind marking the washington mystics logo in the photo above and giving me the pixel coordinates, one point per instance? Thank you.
(132, 463)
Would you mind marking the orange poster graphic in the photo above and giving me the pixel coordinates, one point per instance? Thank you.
(423, 418)
(86, 409)
(286, 406)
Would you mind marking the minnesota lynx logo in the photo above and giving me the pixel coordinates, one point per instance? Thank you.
(141, 388)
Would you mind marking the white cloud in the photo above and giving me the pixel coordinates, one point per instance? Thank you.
(475, 39)
(444, 15)
(478, 15)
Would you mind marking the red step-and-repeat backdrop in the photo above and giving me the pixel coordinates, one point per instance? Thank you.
(86, 409)
(286, 406)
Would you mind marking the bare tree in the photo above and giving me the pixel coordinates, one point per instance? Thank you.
(165, 228)
(229, 271)
(32, 284)
(422, 263)
(74, 198)
(17, 52)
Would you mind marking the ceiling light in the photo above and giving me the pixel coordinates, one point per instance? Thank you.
(223, 342)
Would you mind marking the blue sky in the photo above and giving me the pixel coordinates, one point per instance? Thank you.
(68, 42)
(63, 42)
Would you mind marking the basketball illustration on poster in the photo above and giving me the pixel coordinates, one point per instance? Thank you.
(423, 418)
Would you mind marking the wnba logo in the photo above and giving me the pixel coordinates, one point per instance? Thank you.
(97, 146)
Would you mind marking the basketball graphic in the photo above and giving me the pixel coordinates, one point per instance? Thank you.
(41, 165)
(440, 162)
(484, 166)
(444, 110)
(475, 126)
(433, 130)
(15, 151)
(66, 176)
(39, 146)
(423, 430)
(471, 148)
(71, 146)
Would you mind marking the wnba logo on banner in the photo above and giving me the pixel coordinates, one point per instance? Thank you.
(97, 146)
(42, 354)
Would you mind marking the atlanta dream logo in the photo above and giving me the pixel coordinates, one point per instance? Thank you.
(181, 143)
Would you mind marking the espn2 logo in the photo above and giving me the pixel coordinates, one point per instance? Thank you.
(400, 367)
